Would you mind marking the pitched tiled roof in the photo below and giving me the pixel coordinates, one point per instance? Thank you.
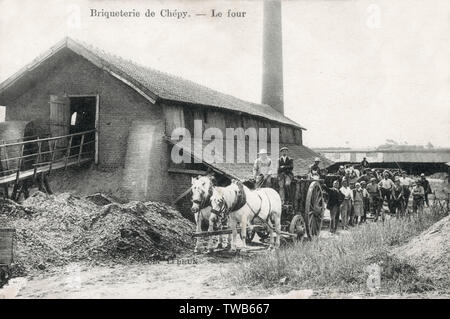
(303, 158)
(159, 85)
(390, 156)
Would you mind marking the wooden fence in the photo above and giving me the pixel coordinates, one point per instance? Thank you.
(27, 158)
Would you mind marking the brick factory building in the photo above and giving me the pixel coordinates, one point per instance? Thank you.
(134, 110)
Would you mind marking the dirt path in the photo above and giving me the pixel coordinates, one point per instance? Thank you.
(193, 276)
(190, 276)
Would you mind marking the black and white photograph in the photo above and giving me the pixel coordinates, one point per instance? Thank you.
(224, 149)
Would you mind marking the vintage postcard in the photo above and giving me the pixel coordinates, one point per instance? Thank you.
(243, 149)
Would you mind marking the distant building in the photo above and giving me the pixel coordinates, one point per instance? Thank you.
(413, 161)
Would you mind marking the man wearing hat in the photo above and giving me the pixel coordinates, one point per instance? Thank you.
(364, 163)
(406, 184)
(341, 171)
(346, 204)
(365, 177)
(418, 194)
(426, 186)
(374, 197)
(262, 169)
(386, 185)
(366, 200)
(314, 169)
(397, 198)
(358, 204)
(285, 175)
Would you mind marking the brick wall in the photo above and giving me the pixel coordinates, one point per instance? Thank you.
(119, 105)
(144, 154)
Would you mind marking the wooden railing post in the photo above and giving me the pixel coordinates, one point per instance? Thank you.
(19, 165)
(36, 161)
(53, 152)
(81, 149)
(42, 163)
(6, 157)
(69, 146)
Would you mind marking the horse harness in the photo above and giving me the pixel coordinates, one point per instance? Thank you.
(255, 214)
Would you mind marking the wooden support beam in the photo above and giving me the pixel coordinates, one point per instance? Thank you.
(81, 149)
(186, 171)
(36, 161)
(229, 231)
(19, 165)
(6, 156)
(53, 156)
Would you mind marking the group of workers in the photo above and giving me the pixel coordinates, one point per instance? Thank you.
(371, 192)
(355, 194)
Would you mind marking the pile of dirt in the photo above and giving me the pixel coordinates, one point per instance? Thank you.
(429, 252)
(57, 229)
(137, 231)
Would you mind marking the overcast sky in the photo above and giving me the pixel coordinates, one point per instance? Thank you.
(356, 72)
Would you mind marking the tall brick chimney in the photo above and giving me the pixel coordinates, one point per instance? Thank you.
(272, 89)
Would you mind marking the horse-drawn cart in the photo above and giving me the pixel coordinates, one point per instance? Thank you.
(304, 209)
(302, 214)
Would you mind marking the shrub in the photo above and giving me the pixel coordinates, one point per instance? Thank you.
(340, 262)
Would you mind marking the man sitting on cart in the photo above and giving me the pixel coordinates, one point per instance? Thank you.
(285, 175)
(262, 170)
(314, 169)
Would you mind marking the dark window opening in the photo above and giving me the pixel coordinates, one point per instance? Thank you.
(82, 119)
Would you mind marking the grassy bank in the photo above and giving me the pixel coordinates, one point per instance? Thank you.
(339, 263)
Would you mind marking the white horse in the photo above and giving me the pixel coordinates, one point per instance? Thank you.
(243, 205)
(202, 189)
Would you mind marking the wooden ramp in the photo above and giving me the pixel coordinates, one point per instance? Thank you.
(27, 158)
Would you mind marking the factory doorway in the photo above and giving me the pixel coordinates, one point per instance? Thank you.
(84, 117)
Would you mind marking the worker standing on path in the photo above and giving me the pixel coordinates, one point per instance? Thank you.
(426, 186)
(358, 203)
(335, 198)
(366, 200)
(386, 185)
(397, 198)
(406, 184)
(347, 203)
(374, 197)
(418, 195)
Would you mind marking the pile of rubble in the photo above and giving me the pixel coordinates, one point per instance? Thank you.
(429, 252)
(57, 229)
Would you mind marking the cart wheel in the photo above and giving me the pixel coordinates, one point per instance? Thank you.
(298, 227)
(314, 208)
